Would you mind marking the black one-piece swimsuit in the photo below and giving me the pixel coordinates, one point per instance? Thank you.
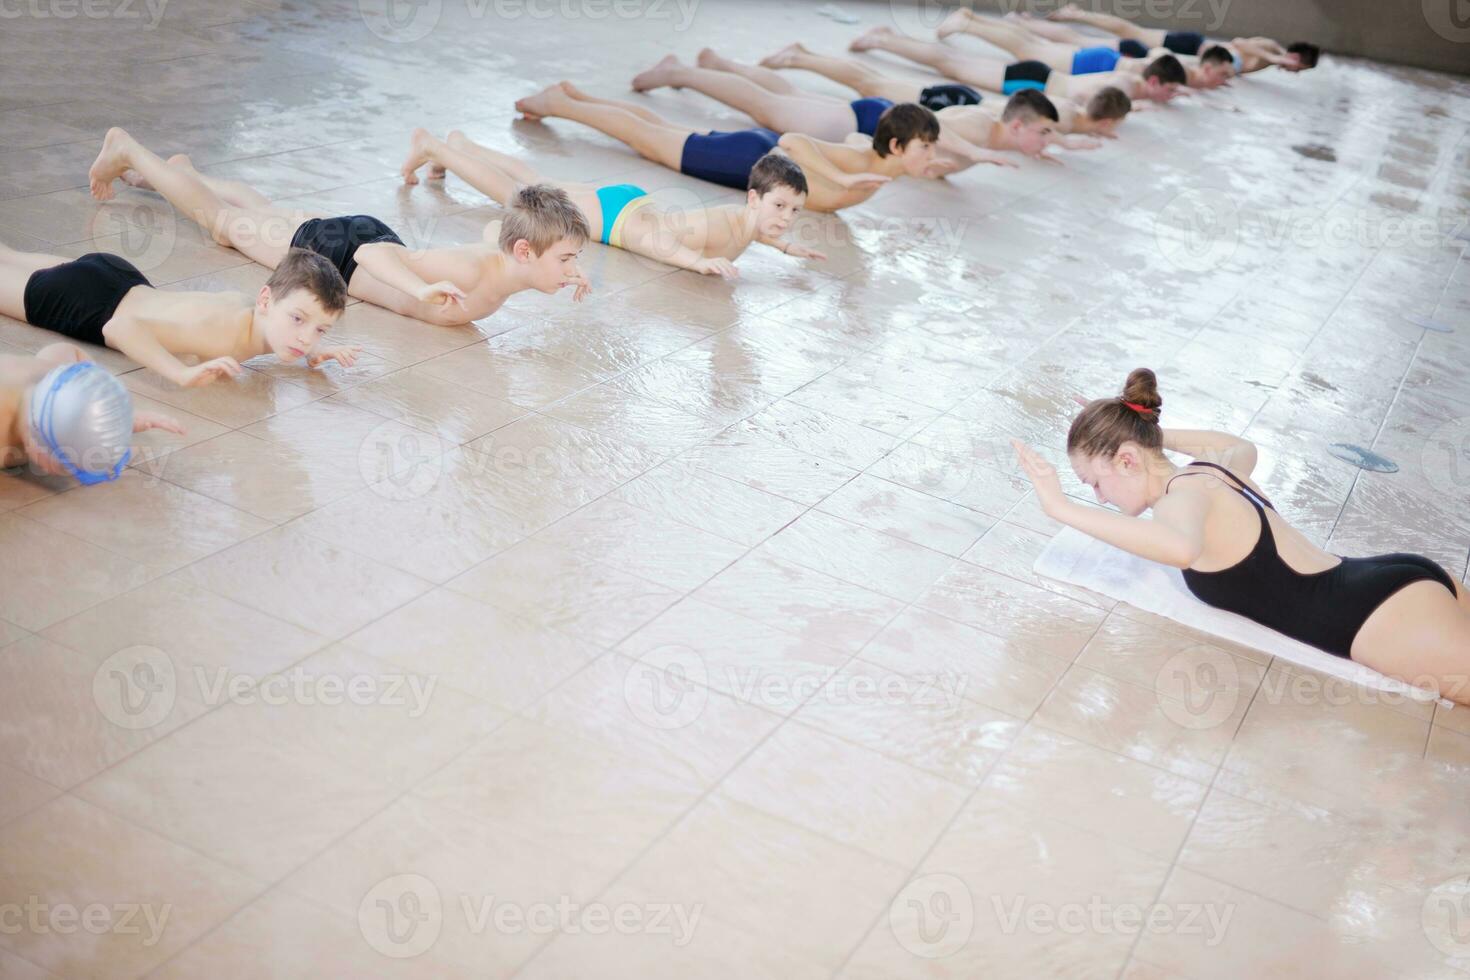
(1322, 609)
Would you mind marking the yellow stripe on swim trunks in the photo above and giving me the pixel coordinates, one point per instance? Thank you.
(615, 236)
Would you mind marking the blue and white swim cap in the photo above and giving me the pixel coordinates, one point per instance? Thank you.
(83, 416)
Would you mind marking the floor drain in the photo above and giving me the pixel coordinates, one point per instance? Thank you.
(1365, 459)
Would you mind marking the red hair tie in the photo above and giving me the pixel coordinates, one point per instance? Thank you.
(1140, 409)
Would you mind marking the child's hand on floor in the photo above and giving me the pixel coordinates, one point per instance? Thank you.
(203, 373)
(345, 356)
(717, 267)
(441, 293)
(143, 421)
(802, 252)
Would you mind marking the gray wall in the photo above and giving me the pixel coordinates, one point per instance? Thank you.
(1423, 33)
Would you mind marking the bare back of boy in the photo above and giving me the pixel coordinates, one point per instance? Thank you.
(202, 325)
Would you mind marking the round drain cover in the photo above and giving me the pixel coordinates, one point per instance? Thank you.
(1362, 458)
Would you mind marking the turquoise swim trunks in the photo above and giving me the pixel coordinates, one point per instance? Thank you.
(614, 198)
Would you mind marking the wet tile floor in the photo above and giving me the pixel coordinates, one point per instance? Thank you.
(691, 632)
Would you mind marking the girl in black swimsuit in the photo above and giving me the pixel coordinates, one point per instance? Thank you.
(1402, 615)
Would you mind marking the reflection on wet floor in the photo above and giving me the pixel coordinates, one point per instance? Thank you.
(710, 605)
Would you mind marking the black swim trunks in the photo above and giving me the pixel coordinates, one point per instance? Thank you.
(937, 97)
(76, 299)
(338, 239)
(1130, 48)
(1184, 42)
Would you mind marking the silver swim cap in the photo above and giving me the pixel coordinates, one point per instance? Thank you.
(84, 418)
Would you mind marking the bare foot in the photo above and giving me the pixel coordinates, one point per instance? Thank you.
(111, 163)
(870, 39)
(708, 58)
(418, 155)
(953, 24)
(534, 107)
(786, 57)
(1067, 11)
(572, 92)
(1019, 15)
(657, 76)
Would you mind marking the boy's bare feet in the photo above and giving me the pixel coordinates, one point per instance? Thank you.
(709, 58)
(111, 163)
(657, 76)
(870, 38)
(134, 179)
(1067, 11)
(786, 57)
(954, 23)
(534, 107)
(418, 155)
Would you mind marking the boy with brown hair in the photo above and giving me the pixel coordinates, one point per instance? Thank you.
(448, 286)
(703, 240)
(103, 299)
(838, 176)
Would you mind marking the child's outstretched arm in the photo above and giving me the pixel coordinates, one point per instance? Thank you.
(1174, 536)
(1232, 452)
(791, 248)
(135, 338)
(385, 260)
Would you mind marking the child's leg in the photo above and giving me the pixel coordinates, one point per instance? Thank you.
(771, 81)
(262, 234)
(235, 192)
(941, 57)
(1053, 31)
(16, 269)
(655, 139)
(646, 114)
(867, 82)
(1153, 37)
(1020, 42)
(495, 175)
(823, 118)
